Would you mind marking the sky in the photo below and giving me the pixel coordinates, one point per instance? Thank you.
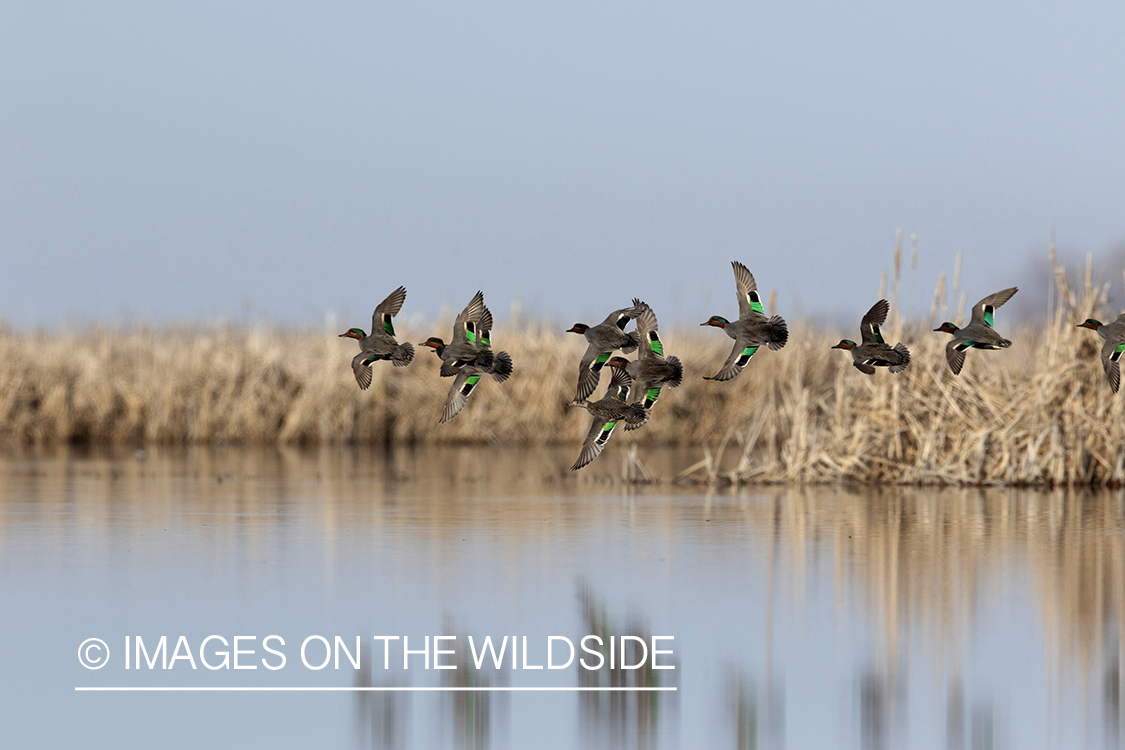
(168, 161)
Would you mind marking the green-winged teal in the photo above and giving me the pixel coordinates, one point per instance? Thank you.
(465, 358)
(651, 369)
(612, 408)
(501, 366)
(1114, 335)
(603, 340)
(979, 334)
(872, 351)
(381, 344)
(752, 329)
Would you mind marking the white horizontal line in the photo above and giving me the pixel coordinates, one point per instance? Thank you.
(375, 689)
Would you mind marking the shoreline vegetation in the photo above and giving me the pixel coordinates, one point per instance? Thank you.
(1038, 414)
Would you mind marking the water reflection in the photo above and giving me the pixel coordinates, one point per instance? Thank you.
(963, 618)
(621, 719)
(381, 718)
(757, 714)
(470, 714)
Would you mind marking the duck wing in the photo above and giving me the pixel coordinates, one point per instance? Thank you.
(739, 356)
(590, 371)
(459, 394)
(875, 317)
(596, 439)
(955, 355)
(484, 328)
(620, 318)
(362, 371)
(649, 338)
(466, 324)
(863, 367)
(984, 310)
(1111, 355)
(748, 299)
(387, 309)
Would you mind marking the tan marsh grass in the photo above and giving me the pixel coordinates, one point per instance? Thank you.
(1039, 413)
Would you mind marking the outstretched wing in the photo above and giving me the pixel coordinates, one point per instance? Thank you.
(459, 394)
(596, 439)
(1111, 356)
(466, 324)
(875, 317)
(739, 356)
(387, 309)
(955, 354)
(647, 334)
(621, 318)
(983, 311)
(484, 329)
(748, 299)
(362, 371)
(590, 371)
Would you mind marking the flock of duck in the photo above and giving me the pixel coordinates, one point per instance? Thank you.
(469, 356)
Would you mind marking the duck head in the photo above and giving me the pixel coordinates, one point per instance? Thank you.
(947, 327)
(845, 344)
(1090, 323)
(578, 328)
(618, 362)
(718, 321)
(353, 333)
(435, 342)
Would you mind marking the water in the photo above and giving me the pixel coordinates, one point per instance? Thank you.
(816, 617)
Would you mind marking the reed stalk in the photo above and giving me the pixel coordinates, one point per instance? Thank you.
(1040, 413)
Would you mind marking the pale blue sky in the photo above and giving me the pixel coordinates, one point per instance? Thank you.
(170, 160)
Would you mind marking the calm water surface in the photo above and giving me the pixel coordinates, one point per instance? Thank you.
(802, 618)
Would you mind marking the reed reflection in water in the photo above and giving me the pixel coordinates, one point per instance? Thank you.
(802, 617)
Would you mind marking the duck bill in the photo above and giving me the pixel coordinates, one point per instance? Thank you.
(837, 347)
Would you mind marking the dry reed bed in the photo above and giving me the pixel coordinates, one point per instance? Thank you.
(1040, 413)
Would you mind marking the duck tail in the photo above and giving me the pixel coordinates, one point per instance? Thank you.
(903, 358)
(678, 372)
(634, 342)
(778, 333)
(502, 368)
(404, 355)
(637, 416)
(485, 359)
(1003, 344)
